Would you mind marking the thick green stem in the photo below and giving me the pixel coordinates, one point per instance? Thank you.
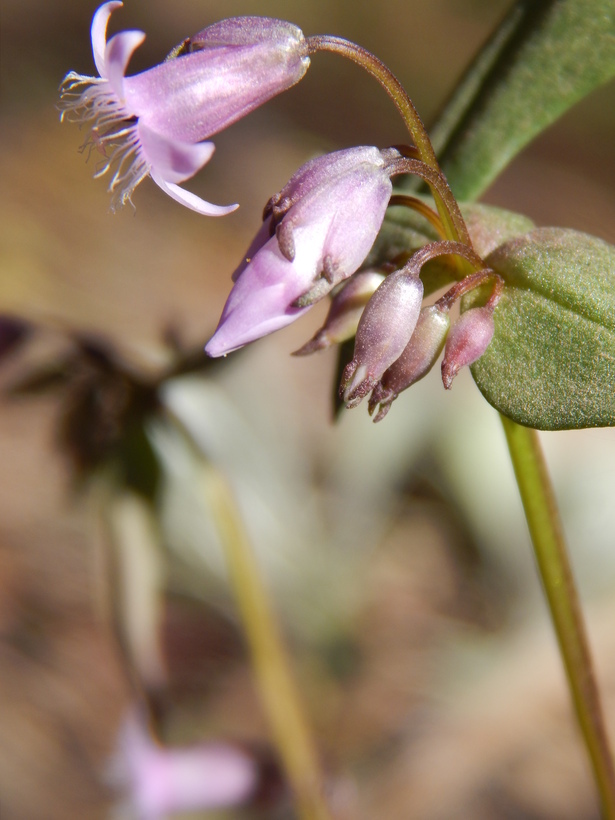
(271, 667)
(554, 567)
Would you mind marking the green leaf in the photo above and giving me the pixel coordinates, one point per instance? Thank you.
(545, 57)
(551, 363)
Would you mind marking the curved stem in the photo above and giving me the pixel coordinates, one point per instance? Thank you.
(405, 106)
(556, 574)
(421, 208)
(453, 223)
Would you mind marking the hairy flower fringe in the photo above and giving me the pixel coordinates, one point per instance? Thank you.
(114, 136)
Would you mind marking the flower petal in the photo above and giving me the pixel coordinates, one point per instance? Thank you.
(191, 200)
(261, 300)
(99, 34)
(119, 50)
(238, 65)
(173, 160)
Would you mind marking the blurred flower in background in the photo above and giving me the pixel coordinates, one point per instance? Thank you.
(159, 782)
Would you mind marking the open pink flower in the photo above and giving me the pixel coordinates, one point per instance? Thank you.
(317, 232)
(154, 123)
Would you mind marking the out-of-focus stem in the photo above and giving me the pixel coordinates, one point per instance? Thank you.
(271, 667)
(278, 692)
(556, 574)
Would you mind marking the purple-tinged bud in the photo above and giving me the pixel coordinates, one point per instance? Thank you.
(467, 341)
(317, 233)
(160, 782)
(384, 330)
(345, 312)
(416, 361)
(154, 123)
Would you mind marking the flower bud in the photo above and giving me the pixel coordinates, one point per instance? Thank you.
(384, 330)
(416, 361)
(467, 341)
(317, 233)
(345, 312)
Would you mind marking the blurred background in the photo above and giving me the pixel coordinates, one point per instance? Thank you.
(396, 554)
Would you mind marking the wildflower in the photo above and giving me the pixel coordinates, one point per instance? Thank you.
(160, 782)
(416, 361)
(385, 328)
(467, 341)
(154, 123)
(317, 232)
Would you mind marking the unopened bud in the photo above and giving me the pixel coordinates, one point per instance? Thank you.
(384, 330)
(467, 341)
(416, 361)
(345, 312)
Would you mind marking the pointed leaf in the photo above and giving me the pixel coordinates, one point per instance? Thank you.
(545, 57)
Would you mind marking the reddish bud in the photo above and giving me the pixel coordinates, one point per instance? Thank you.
(467, 341)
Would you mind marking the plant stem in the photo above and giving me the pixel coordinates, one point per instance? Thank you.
(556, 574)
(410, 116)
(271, 667)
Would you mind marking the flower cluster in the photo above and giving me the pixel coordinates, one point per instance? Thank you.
(316, 234)
(318, 230)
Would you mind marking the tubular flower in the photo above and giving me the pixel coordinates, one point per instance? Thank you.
(154, 123)
(317, 232)
(345, 312)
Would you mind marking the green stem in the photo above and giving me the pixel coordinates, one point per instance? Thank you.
(421, 208)
(554, 567)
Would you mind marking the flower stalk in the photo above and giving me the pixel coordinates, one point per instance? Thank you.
(563, 601)
(455, 231)
(422, 208)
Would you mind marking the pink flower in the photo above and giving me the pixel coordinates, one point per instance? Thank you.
(154, 123)
(317, 232)
(345, 312)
